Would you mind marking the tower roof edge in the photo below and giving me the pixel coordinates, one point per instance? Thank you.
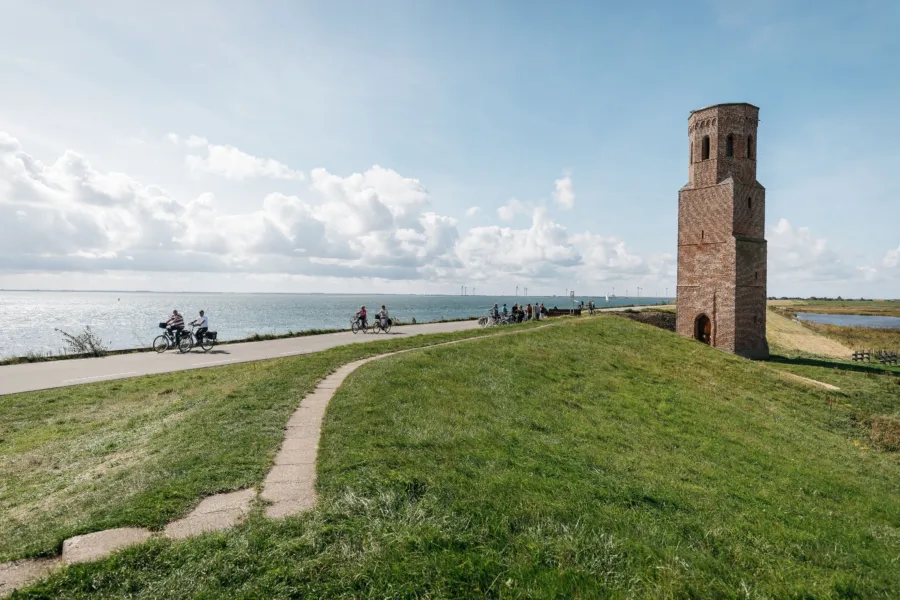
(724, 104)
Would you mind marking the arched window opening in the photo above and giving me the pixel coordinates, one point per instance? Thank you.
(749, 146)
(756, 276)
(702, 233)
(705, 147)
(729, 146)
(749, 203)
(692, 152)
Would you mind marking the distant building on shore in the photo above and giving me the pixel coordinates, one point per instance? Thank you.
(721, 293)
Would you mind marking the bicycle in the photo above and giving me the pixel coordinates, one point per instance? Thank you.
(206, 343)
(166, 340)
(186, 343)
(490, 320)
(356, 325)
(380, 325)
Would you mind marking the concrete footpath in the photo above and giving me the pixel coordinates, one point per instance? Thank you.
(63, 373)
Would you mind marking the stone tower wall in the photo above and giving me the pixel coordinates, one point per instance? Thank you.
(721, 232)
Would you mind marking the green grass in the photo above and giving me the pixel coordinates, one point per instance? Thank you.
(888, 308)
(143, 451)
(595, 458)
(867, 338)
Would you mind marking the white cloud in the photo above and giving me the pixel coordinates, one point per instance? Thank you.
(235, 165)
(564, 194)
(513, 207)
(892, 258)
(231, 163)
(472, 211)
(795, 255)
(194, 141)
(70, 217)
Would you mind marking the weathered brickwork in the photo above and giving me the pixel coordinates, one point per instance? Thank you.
(721, 232)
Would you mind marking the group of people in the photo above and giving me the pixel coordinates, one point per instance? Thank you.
(362, 316)
(520, 313)
(175, 324)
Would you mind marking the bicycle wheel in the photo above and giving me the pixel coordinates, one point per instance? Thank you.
(387, 327)
(186, 343)
(354, 326)
(161, 344)
(207, 344)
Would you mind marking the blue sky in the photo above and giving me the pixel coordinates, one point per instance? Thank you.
(477, 103)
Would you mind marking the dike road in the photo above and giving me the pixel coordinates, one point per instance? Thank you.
(62, 373)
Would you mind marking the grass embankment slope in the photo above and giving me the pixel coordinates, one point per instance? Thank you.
(599, 458)
(143, 451)
(852, 338)
(859, 338)
(786, 337)
(885, 308)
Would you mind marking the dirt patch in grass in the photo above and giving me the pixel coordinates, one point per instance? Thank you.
(886, 432)
(664, 319)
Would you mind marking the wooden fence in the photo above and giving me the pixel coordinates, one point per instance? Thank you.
(883, 356)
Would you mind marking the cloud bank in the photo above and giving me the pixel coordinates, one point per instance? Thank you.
(68, 216)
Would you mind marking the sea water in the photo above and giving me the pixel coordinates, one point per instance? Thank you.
(29, 320)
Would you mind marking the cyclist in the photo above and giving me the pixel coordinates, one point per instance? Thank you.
(495, 311)
(203, 326)
(176, 324)
(361, 317)
(505, 311)
(383, 316)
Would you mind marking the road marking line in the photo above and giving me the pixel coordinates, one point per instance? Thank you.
(100, 376)
(295, 352)
(215, 362)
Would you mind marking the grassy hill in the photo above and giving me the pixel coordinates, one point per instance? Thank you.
(144, 451)
(599, 458)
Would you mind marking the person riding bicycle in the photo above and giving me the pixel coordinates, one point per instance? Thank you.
(505, 311)
(362, 317)
(176, 325)
(203, 326)
(383, 316)
(495, 311)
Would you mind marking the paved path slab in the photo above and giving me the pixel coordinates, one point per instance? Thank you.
(94, 546)
(19, 573)
(215, 513)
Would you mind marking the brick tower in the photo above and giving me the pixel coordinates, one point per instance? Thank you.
(721, 234)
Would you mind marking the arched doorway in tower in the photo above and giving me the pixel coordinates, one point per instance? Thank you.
(703, 329)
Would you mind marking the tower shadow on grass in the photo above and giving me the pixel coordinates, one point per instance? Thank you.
(828, 364)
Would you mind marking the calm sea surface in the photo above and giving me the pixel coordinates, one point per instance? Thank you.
(875, 321)
(28, 320)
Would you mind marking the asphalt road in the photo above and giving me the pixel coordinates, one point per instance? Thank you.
(62, 373)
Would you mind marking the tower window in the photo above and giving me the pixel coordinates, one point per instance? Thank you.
(756, 276)
(692, 152)
(749, 203)
(729, 146)
(702, 233)
(705, 147)
(749, 146)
